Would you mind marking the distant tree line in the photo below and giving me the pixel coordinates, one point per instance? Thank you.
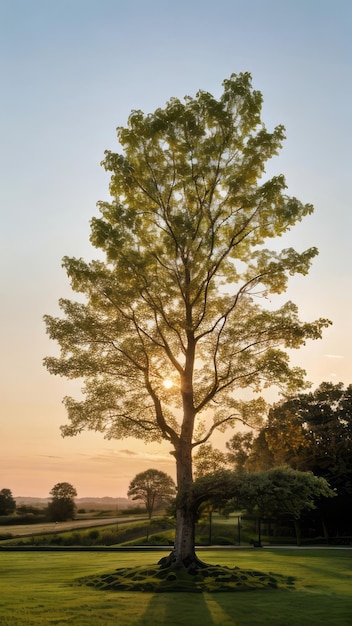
(61, 507)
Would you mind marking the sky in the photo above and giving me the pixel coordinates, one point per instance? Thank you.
(70, 73)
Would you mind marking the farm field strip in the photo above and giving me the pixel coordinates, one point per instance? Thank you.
(22, 530)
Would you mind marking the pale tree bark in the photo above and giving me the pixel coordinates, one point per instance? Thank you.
(183, 553)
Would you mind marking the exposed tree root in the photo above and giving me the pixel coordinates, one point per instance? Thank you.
(173, 563)
(210, 578)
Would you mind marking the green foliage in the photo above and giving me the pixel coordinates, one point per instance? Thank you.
(94, 534)
(62, 491)
(313, 432)
(239, 448)
(25, 509)
(133, 510)
(208, 460)
(29, 518)
(185, 272)
(152, 487)
(189, 214)
(281, 492)
(7, 502)
(275, 493)
(62, 507)
(112, 534)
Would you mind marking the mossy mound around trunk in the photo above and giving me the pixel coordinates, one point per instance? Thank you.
(212, 578)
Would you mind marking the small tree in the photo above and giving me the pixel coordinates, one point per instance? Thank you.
(7, 502)
(152, 487)
(277, 493)
(62, 507)
(282, 493)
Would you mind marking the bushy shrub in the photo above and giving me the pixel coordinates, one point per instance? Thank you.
(136, 510)
(93, 534)
(29, 518)
(27, 509)
(156, 540)
(220, 540)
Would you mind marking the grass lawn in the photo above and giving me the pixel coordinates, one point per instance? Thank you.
(36, 590)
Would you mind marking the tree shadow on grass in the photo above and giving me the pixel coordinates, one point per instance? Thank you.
(185, 596)
(260, 608)
(178, 609)
(263, 608)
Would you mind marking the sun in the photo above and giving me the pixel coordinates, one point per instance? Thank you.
(168, 383)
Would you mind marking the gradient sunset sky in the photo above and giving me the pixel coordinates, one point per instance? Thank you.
(71, 71)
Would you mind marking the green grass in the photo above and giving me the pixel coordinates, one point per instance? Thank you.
(109, 534)
(36, 589)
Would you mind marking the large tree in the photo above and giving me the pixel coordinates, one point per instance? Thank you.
(313, 432)
(179, 295)
(152, 487)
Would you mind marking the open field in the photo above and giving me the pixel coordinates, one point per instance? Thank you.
(22, 530)
(36, 590)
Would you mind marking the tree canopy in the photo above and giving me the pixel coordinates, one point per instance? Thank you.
(280, 491)
(186, 272)
(153, 488)
(309, 431)
(312, 431)
(208, 460)
(7, 502)
(62, 506)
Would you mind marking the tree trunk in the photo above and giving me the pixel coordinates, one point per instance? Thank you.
(210, 514)
(325, 530)
(297, 531)
(183, 554)
(184, 550)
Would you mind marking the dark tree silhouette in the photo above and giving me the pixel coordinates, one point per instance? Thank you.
(152, 487)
